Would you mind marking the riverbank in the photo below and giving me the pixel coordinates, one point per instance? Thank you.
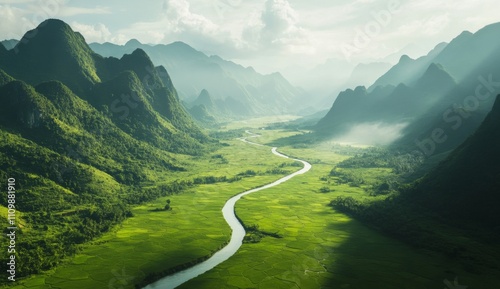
(321, 247)
(151, 241)
(237, 235)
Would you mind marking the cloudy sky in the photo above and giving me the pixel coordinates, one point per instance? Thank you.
(270, 35)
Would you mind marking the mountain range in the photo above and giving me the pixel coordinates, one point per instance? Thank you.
(205, 110)
(137, 96)
(236, 90)
(452, 209)
(324, 82)
(436, 94)
(87, 128)
(83, 134)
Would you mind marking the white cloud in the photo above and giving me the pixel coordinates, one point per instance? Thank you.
(14, 22)
(20, 16)
(278, 28)
(267, 34)
(443, 5)
(178, 22)
(430, 26)
(16, 1)
(278, 18)
(93, 33)
(180, 18)
(436, 24)
(73, 11)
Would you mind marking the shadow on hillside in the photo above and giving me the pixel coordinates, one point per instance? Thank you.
(368, 259)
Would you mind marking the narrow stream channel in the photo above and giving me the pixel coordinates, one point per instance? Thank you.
(237, 235)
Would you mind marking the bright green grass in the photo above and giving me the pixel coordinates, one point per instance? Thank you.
(322, 248)
(154, 241)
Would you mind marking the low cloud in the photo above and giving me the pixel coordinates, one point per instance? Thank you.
(372, 134)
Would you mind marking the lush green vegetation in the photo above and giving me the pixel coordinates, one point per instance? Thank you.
(323, 248)
(449, 210)
(312, 246)
(400, 162)
(165, 240)
(138, 188)
(88, 138)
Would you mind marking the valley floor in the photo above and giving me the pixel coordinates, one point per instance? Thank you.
(322, 248)
(314, 245)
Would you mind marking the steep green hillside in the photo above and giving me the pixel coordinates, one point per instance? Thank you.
(60, 202)
(137, 96)
(52, 51)
(5, 78)
(453, 209)
(85, 137)
(3, 52)
(467, 184)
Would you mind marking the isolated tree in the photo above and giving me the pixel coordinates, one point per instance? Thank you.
(167, 206)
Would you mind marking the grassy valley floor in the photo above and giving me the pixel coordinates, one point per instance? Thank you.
(322, 248)
(153, 241)
(315, 246)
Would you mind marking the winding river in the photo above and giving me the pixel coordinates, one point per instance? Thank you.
(237, 235)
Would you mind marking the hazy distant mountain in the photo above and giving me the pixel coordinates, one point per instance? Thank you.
(435, 91)
(9, 44)
(204, 99)
(321, 80)
(414, 50)
(192, 71)
(464, 108)
(365, 74)
(325, 81)
(385, 104)
(205, 110)
(408, 70)
(458, 57)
